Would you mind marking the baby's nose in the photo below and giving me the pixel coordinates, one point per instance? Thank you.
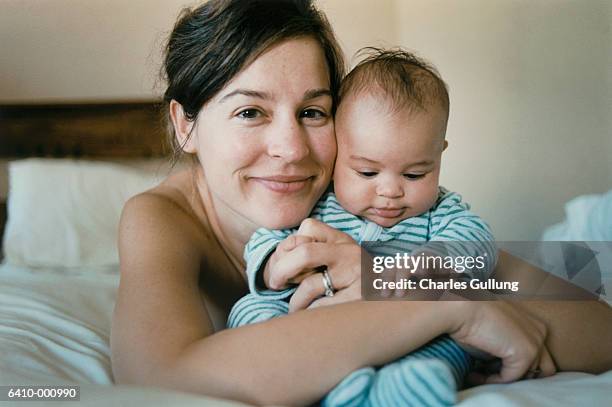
(390, 190)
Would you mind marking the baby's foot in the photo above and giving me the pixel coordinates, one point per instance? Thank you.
(352, 391)
(413, 382)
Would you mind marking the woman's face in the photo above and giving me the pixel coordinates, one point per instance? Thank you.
(266, 141)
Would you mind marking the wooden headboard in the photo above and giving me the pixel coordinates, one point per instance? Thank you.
(111, 130)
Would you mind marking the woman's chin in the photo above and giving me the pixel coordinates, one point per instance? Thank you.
(283, 214)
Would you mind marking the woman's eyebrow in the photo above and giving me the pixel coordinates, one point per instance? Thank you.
(315, 93)
(247, 92)
(308, 95)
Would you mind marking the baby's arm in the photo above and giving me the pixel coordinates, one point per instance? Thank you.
(265, 252)
(258, 253)
(261, 304)
(267, 298)
(269, 249)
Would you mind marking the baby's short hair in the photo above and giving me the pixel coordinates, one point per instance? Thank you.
(407, 80)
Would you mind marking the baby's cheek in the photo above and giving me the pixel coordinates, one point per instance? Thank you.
(426, 195)
(350, 193)
(344, 195)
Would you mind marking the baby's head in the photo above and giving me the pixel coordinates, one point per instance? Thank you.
(390, 127)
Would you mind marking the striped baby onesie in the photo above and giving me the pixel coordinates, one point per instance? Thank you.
(449, 220)
(431, 374)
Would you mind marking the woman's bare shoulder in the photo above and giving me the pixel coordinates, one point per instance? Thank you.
(174, 195)
(161, 222)
(175, 199)
(161, 247)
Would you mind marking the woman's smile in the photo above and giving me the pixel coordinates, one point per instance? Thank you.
(283, 183)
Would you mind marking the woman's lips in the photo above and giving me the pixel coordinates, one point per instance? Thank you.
(388, 213)
(283, 184)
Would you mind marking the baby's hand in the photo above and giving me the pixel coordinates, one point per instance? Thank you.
(286, 245)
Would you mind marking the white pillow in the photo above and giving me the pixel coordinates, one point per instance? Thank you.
(65, 213)
(587, 217)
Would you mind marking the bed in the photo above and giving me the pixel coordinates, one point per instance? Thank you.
(73, 166)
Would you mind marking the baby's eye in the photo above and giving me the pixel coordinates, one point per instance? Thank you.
(413, 176)
(249, 114)
(367, 174)
(313, 114)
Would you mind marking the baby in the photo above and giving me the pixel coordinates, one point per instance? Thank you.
(390, 128)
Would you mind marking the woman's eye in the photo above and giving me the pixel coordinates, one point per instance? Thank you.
(249, 114)
(367, 174)
(313, 114)
(414, 176)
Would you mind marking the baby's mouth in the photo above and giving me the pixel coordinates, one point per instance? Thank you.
(388, 212)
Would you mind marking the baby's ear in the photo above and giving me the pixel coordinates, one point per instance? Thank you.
(182, 127)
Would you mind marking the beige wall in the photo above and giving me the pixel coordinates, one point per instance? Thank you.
(360, 23)
(74, 49)
(530, 102)
(530, 82)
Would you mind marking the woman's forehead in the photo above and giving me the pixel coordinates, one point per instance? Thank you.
(293, 67)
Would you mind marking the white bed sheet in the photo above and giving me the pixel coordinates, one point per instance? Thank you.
(54, 329)
(55, 324)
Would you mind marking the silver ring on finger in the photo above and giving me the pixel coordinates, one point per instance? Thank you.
(327, 284)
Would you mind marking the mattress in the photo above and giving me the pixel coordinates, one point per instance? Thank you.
(55, 329)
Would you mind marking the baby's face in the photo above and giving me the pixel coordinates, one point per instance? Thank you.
(388, 164)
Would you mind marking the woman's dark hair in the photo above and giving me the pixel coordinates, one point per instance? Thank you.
(212, 43)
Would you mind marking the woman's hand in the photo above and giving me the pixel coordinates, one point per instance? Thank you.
(316, 245)
(504, 331)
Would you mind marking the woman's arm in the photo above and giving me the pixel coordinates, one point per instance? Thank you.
(579, 332)
(298, 358)
(162, 334)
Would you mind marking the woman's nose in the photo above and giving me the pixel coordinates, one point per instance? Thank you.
(389, 188)
(289, 141)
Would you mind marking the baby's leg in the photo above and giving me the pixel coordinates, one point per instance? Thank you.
(254, 308)
(352, 391)
(429, 376)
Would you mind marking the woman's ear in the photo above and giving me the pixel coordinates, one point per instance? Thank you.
(445, 145)
(182, 127)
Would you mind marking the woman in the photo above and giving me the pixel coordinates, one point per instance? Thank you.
(251, 94)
